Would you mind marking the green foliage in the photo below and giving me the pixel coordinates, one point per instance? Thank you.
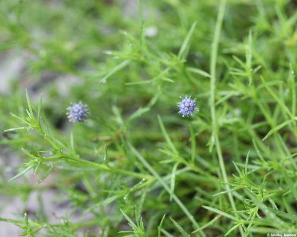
(143, 169)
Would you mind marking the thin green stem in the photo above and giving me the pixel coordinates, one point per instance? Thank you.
(215, 128)
(166, 187)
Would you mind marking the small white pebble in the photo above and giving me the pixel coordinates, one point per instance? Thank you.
(151, 31)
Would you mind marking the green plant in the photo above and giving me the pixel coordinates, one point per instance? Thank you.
(136, 167)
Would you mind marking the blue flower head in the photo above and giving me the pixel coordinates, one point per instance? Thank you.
(187, 106)
(77, 112)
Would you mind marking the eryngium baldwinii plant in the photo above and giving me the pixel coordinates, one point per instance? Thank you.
(136, 167)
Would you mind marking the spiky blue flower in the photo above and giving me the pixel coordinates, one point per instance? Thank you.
(77, 112)
(187, 106)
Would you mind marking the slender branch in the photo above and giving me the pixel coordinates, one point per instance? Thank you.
(215, 129)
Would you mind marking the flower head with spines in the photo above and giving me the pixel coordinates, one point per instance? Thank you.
(187, 106)
(77, 112)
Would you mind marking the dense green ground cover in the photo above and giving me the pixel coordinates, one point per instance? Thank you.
(142, 169)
